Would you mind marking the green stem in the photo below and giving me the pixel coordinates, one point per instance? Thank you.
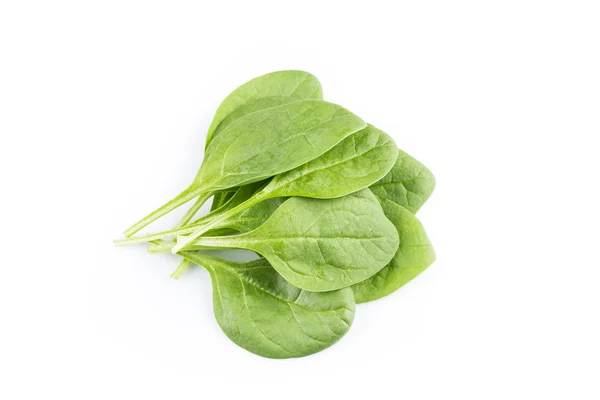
(204, 260)
(171, 232)
(193, 210)
(166, 247)
(159, 246)
(183, 241)
(155, 236)
(213, 242)
(185, 196)
(181, 268)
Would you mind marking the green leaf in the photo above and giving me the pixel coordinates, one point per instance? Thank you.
(321, 245)
(257, 105)
(254, 216)
(298, 84)
(241, 194)
(409, 183)
(355, 163)
(262, 313)
(414, 255)
(254, 106)
(271, 141)
(221, 198)
(263, 144)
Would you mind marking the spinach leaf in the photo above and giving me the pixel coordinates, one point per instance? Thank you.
(245, 221)
(409, 183)
(254, 106)
(298, 84)
(257, 105)
(240, 195)
(320, 244)
(414, 255)
(220, 198)
(355, 163)
(271, 141)
(263, 144)
(254, 216)
(262, 313)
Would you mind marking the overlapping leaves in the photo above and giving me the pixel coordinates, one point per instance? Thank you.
(324, 199)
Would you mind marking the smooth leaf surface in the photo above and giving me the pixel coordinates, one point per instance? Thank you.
(262, 103)
(254, 106)
(321, 245)
(263, 144)
(409, 183)
(254, 216)
(272, 141)
(239, 196)
(355, 163)
(299, 84)
(414, 255)
(262, 313)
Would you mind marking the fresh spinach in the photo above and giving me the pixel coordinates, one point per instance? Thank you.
(263, 144)
(321, 244)
(297, 84)
(220, 198)
(327, 201)
(355, 163)
(409, 183)
(261, 312)
(240, 196)
(254, 216)
(254, 106)
(413, 256)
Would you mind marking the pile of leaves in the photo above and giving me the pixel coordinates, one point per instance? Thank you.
(326, 200)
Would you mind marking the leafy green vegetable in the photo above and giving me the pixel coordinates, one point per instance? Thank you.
(298, 84)
(321, 245)
(409, 183)
(354, 164)
(259, 311)
(241, 195)
(326, 199)
(254, 216)
(263, 144)
(256, 105)
(271, 141)
(414, 255)
(220, 198)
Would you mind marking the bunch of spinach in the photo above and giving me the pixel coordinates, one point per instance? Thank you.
(326, 201)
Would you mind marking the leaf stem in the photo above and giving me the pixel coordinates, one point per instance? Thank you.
(183, 241)
(165, 247)
(193, 210)
(185, 196)
(181, 268)
(169, 233)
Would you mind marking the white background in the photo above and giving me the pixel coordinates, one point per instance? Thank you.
(103, 110)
